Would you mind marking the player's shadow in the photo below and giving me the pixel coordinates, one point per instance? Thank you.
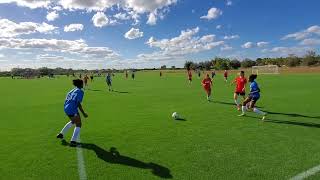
(114, 157)
(229, 103)
(295, 123)
(293, 115)
(121, 92)
(181, 119)
(96, 90)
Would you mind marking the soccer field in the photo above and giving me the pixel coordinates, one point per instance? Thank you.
(135, 120)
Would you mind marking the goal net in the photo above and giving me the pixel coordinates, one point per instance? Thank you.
(268, 69)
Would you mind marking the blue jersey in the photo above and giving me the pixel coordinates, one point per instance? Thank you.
(74, 97)
(254, 89)
(108, 78)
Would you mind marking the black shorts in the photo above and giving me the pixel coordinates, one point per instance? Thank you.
(109, 83)
(73, 115)
(240, 93)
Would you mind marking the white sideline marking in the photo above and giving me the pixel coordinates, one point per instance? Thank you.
(81, 166)
(306, 173)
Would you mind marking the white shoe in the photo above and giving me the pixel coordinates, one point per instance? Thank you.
(264, 116)
(242, 114)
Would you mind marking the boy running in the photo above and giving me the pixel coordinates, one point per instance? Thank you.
(253, 97)
(207, 83)
(240, 82)
(109, 81)
(213, 74)
(71, 106)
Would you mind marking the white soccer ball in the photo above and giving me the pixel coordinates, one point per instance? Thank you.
(175, 115)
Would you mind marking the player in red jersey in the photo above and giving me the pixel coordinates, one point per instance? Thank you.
(240, 82)
(225, 75)
(189, 76)
(207, 83)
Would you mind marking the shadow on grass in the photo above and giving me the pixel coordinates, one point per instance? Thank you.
(96, 90)
(114, 157)
(121, 92)
(293, 115)
(229, 103)
(305, 124)
(180, 119)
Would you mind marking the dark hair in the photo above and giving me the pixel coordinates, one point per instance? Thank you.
(242, 72)
(78, 83)
(252, 77)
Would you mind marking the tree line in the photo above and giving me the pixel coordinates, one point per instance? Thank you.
(218, 63)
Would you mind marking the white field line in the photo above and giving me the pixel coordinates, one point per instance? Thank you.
(307, 173)
(81, 166)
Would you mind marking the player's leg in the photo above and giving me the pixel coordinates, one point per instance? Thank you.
(236, 101)
(65, 129)
(256, 110)
(77, 120)
(244, 105)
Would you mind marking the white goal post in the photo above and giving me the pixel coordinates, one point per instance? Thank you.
(268, 69)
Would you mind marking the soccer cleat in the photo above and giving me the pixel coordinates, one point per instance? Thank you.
(264, 116)
(242, 114)
(73, 143)
(60, 136)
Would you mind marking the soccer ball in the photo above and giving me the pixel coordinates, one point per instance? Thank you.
(175, 115)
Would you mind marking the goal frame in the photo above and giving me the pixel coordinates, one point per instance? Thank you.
(262, 69)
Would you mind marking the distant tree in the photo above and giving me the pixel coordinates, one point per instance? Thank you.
(292, 60)
(221, 63)
(173, 67)
(189, 65)
(248, 63)
(235, 64)
(310, 59)
(163, 67)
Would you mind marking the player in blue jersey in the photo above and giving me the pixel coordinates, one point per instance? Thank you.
(109, 81)
(253, 97)
(71, 106)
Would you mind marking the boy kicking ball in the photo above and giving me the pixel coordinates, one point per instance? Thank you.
(71, 106)
(253, 97)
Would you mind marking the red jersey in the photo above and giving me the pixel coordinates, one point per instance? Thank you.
(206, 83)
(241, 83)
(225, 74)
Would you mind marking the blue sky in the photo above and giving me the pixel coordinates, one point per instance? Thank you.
(149, 33)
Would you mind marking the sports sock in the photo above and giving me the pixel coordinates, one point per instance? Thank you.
(244, 109)
(76, 132)
(66, 127)
(256, 110)
(236, 101)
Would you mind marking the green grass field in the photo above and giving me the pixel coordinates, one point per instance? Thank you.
(213, 143)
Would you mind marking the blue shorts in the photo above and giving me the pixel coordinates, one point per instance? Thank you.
(254, 98)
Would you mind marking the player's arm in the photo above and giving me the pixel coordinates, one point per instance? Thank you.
(82, 111)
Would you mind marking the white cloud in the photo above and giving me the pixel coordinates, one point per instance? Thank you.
(57, 8)
(51, 16)
(231, 37)
(213, 13)
(121, 16)
(73, 27)
(62, 46)
(218, 26)
(11, 29)
(2, 56)
(100, 19)
(177, 47)
(229, 3)
(310, 42)
(247, 45)
(226, 48)
(49, 57)
(284, 51)
(133, 34)
(152, 19)
(313, 30)
(262, 44)
(29, 3)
